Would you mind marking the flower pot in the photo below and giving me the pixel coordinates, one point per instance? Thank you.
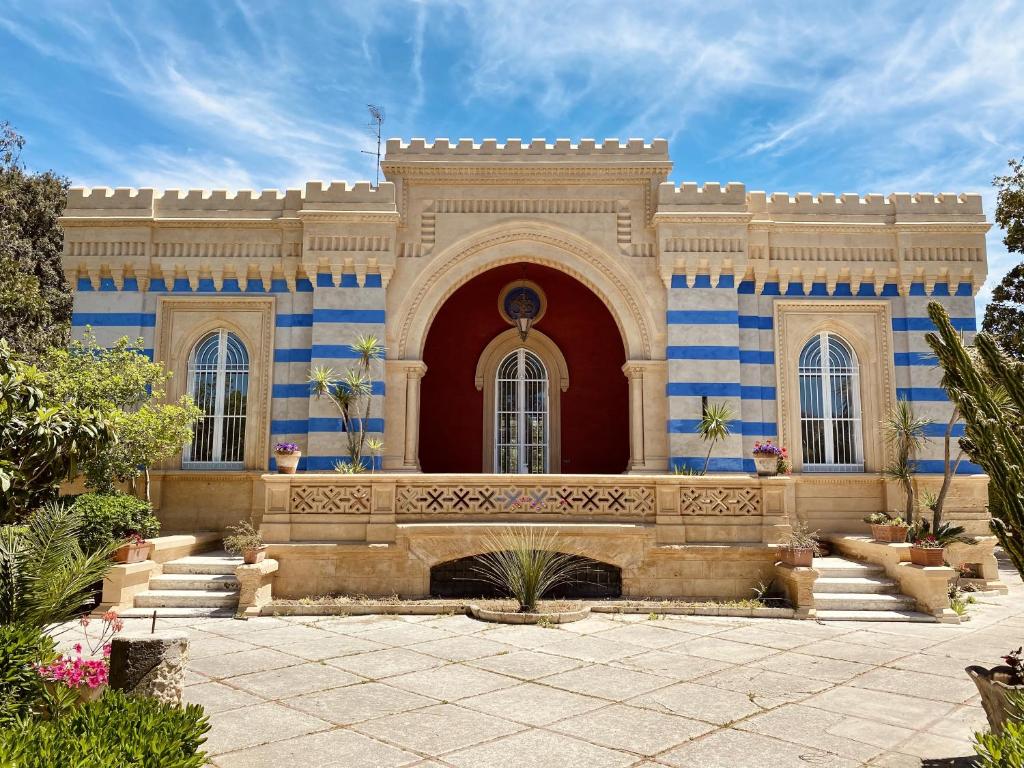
(767, 464)
(254, 555)
(799, 558)
(889, 534)
(995, 685)
(287, 463)
(132, 553)
(928, 556)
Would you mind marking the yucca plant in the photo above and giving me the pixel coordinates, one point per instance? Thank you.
(714, 426)
(905, 433)
(45, 577)
(526, 565)
(351, 392)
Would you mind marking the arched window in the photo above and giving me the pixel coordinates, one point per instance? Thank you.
(218, 381)
(830, 427)
(521, 414)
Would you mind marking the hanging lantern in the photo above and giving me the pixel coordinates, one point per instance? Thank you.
(523, 310)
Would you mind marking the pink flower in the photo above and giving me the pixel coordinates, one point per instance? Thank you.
(77, 648)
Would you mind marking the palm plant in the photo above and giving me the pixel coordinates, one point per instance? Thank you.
(351, 392)
(905, 433)
(714, 426)
(525, 564)
(45, 577)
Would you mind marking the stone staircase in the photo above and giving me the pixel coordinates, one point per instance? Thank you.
(849, 590)
(197, 585)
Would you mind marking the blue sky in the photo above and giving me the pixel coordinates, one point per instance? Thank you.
(816, 97)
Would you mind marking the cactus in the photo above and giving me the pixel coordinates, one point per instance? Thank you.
(993, 437)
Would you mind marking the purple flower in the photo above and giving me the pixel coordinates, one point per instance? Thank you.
(286, 448)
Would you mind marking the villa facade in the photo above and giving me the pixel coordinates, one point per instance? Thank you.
(647, 302)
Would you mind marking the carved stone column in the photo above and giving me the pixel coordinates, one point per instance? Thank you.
(634, 370)
(414, 371)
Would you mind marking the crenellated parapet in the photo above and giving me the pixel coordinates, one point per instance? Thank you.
(585, 151)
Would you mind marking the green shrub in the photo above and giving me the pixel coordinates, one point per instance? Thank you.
(111, 517)
(113, 732)
(1005, 750)
(21, 688)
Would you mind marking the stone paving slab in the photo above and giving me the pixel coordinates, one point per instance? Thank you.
(612, 690)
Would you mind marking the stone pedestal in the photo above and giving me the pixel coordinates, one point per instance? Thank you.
(799, 585)
(255, 586)
(150, 664)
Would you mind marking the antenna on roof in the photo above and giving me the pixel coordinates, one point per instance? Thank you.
(377, 114)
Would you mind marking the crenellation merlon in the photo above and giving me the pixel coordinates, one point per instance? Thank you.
(489, 150)
(898, 205)
(711, 193)
(123, 201)
(175, 204)
(361, 196)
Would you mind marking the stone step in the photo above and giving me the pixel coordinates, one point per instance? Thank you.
(176, 613)
(875, 616)
(854, 584)
(203, 581)
(212, 563)
(839, 567)
(862, 602)
(187, 598)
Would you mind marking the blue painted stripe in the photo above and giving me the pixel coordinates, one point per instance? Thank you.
(757, 393)
(679, 281)
(938, 429)
(964, 289)
(757, 357)
(327, 463)
(938, 467)
(745, 428)
(282, 391)
(301, 320)
(745, 286)
(756, 322)
(698, 352)
(292, 355)
(702, 281)
(922, 394)
(318, 424)
(702, 317)
(718, 389)
(915, 358)
(348, 315)
(726, 281)
(925, 323)
(114, 319)
(334, 352)
(289, 426)
(83, 285)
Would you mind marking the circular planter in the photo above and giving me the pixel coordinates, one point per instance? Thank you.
(927, 556)
(287, 463)
(767, 465)
(515, 617)
(798, 558)
(132, 553)
(254, 555)
(995, 685)
(889, 534)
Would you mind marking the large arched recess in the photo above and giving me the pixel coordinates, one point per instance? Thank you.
(594, 409)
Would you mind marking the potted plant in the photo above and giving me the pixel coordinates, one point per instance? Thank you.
(766, 458)
(799, 546)
(928, 547)
(887, 529)
(287, 456)
(247, 540)
(134, 550)
(997, 686)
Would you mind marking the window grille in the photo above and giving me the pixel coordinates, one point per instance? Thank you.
(521, 414)
(830, 415)
(218, 381)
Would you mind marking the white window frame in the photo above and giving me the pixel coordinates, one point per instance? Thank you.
(522, 387)
(829, 422)
(235, 422)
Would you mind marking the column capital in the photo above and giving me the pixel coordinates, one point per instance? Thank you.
(635, 369)
(412, 368)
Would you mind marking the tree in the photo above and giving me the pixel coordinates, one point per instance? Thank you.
(352, 394)
(43, 438)
(129, 388)
(714, 426)
(905, 433)
(35, 300)
(1004, 315)
(992, 433)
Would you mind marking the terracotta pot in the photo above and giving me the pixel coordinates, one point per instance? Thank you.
(767, 465)
(132, 553)
(995, 685)
(889, 534)
(800, 558)
(254, 555)
(928, 556)
(287, 463)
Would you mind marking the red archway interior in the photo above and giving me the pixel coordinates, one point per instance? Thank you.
(595, 408)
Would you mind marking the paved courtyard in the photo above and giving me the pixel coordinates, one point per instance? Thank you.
(608, 691)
